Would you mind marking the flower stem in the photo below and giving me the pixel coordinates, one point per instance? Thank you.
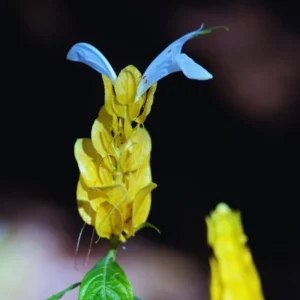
(114, 245)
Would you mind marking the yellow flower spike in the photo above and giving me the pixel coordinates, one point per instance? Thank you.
(233, 273)
(114, 190)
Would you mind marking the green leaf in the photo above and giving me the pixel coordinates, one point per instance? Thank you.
(149, 225)
(62, 293)
(137, 298)
(106, 281)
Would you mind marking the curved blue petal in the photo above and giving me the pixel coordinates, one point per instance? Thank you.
(191, 69)
(154, 77)
(170, 61)
(89, 55)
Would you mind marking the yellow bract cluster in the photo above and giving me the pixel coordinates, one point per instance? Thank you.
(115, 184)
(233, 273)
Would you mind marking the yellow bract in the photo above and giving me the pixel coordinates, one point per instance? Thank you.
(115, 184)
(233, 273)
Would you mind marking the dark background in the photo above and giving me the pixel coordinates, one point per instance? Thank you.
(204, 149)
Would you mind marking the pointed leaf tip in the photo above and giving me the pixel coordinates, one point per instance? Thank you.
(62, 293)
(149, 225)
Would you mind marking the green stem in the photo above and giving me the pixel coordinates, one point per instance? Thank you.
(114, 245)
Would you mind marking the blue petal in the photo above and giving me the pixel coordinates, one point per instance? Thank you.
(191, 69)
(89, 55)
(154, 77)
(170, 61)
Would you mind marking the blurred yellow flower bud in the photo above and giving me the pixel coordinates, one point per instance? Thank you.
(233, 273)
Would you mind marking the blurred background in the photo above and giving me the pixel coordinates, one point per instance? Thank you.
(233, 139)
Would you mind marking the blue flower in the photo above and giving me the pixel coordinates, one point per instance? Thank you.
(167, 62)
(172, 60)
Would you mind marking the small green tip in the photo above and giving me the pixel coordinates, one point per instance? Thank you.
(209, 30)
(222, 207)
